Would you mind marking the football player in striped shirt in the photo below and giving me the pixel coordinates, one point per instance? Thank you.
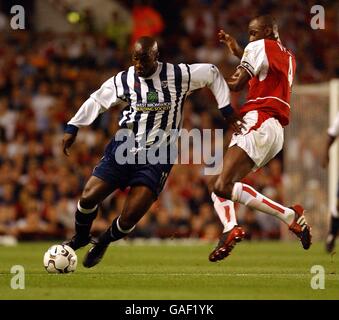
(155, 93)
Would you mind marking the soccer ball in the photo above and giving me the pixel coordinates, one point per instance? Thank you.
(60, 258)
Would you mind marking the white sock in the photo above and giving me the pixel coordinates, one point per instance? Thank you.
(246, 195)
(334, 212)
(225, 211)
(86, 211)
(122, 230)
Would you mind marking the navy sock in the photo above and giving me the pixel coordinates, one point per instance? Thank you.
(112, 234)
(334, 225)
(83, 223)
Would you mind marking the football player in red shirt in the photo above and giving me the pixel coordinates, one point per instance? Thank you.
(268, 68)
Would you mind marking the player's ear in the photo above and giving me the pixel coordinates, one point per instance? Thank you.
(268, 32)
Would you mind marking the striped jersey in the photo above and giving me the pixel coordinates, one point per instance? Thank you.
(155, 103)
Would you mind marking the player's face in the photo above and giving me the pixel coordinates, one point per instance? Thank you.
(256, 31)
(145, 62)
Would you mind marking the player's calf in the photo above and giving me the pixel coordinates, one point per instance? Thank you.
(84, 218)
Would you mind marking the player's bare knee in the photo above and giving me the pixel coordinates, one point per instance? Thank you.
(223, 189)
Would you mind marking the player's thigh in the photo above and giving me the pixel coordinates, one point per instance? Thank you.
(236, 165)
(96, 190)
(138, 202)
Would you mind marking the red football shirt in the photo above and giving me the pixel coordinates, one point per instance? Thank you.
(272, 68)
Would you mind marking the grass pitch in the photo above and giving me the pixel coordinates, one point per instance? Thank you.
(255, 270)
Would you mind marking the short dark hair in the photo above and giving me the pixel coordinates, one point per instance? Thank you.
(147, 42)
(267, 20)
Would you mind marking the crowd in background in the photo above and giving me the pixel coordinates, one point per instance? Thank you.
(45, 77)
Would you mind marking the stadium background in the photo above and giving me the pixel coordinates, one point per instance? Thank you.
(70, 47)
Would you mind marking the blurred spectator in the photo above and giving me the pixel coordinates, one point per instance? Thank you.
(118, 30)
(32, 226)
(253, 230)
(146, 20)
(7, 120)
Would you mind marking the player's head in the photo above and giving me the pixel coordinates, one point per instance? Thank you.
(263, 27)
(144, 56)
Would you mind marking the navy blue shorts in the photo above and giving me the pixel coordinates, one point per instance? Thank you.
(122, 176)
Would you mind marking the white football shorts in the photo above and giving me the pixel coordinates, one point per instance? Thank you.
(261, 141)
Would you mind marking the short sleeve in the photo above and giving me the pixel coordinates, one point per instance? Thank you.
(254, 57)
(208, 75)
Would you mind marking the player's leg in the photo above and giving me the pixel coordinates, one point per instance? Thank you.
(260, 144)
(260, 140)
(236, 166)
(238, 161)
(223, 207)
(138, 202)
(146, 181)
(95, 191)
(334, 227)
(225, 211)
(252, 149)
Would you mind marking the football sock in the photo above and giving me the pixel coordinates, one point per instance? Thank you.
(83, 220)
(225, 211)
(114, 233)
(334, 225)
(246, 195)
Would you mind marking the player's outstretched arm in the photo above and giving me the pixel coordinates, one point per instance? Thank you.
(231, 43)
(99, 101)
(238, 80)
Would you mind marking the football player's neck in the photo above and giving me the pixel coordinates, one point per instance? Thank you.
(152, 69)
(272, 37)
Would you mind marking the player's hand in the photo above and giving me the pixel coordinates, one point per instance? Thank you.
(67, 142)
(236, 123)
(231, 43)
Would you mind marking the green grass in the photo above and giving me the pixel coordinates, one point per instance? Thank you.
(255, 270)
